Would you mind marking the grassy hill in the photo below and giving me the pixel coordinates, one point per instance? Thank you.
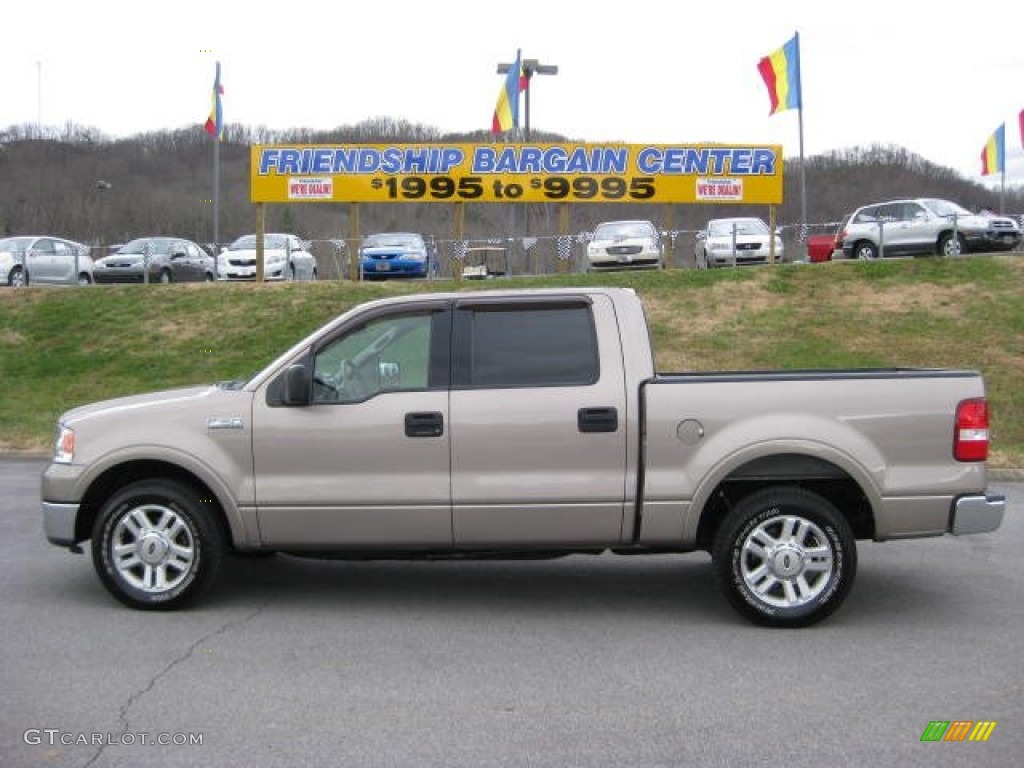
(64, 347)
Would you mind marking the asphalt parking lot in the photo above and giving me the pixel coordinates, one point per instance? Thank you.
(585, 661)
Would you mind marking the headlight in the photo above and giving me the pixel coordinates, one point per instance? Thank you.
(275, 257)
(64, 447)
(417, 256)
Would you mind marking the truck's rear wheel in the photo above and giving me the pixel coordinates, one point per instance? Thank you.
(154, 546)
(785, 557)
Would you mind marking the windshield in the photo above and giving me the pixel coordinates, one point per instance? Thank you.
(248, 242)
(615, 229)
(15, 244)
(946, 208)
(156, 245)
(724, 227)
(407, 241)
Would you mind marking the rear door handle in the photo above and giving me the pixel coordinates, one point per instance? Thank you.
(597, 419)
(424, 424)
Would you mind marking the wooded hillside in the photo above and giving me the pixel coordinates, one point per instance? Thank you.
(75, 183)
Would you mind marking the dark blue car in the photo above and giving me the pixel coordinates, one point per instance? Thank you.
(395, 254)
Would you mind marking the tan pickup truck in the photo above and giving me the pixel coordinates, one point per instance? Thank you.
(521, 424)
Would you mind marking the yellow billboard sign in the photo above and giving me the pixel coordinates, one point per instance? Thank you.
(509, 173)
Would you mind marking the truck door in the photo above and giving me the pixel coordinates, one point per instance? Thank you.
(538, 423)
(367, 464)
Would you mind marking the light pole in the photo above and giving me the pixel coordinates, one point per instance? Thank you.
(530, 67)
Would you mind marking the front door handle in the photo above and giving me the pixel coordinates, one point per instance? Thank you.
(597, 419)
(424, 424)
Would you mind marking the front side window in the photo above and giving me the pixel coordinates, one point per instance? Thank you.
(385, 355)
(503, 347)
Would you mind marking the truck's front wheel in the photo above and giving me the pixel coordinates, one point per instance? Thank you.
(153, 547)
(785, 557)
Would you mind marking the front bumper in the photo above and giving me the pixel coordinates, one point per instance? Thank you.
(720, 259)
(249, 273)
(976, 514)
(59, 523)
(394, 267)
(107, 276)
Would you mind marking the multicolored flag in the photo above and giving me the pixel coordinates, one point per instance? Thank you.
(506, 112)
(993, 156)
(215, 122)
(781, 74)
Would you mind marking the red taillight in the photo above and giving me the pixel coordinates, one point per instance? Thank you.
(970, 440)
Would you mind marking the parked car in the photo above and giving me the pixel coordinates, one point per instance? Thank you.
(285, 257)
(1007, 228)
(163, 259)
(396, 254)
(921, 227)
(747, 240)
(624, 245)
(43, 259)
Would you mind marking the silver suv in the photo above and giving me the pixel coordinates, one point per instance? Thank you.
(922, 226)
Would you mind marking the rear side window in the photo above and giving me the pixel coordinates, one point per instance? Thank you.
(546, 346)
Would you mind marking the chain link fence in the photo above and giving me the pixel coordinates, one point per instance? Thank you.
(490, 257)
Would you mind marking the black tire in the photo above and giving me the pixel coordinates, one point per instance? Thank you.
(165, 532)
(84, 279)
(952, 246)
(785, 557)
(165, 276)
(17, 278)
(865, 251)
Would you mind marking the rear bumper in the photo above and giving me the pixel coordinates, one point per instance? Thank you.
(977, 514)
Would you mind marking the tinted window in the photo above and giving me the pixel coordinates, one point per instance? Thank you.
(519, 347)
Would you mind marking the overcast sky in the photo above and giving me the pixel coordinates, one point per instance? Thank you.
(937, 79)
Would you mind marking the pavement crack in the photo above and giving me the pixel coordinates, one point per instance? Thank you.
(122, 714)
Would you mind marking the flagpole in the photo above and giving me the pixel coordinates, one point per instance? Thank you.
(1002, 175)
(216, 202)
(218, 130)
(803, 165)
